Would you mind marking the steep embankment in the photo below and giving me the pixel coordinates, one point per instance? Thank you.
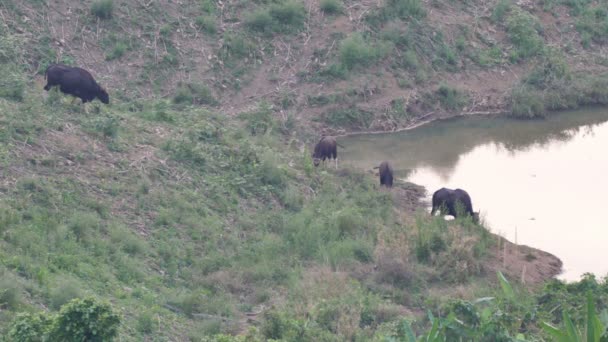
(331, 66)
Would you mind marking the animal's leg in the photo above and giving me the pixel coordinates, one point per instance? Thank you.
(336, 163)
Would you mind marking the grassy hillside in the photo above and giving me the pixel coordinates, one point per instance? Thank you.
(191, 203)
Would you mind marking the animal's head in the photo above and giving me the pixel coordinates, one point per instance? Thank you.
(103, 96)
(316, 161)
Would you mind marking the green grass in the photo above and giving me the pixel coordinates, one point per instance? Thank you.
(102, 9)
(523, 30)
(282, 17)
(331, 7)
(185, 216)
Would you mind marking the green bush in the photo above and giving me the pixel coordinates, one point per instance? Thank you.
(63, 292)
(260, 120)
(194, 93)
(499, 12)
(10, 293)
(406, 8)
(331, 7)
(593, 25)
(282, 17)
(206, 23)
(12, 84)
(523, 30)
(102, 9)
(30, 327)
(349, 117)
(260, 20)
(289, 14)
(355, 51)
(119, 49)
(451, 98)
(527, 103)
(85, 320)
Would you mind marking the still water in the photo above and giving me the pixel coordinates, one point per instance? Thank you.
(539, 183)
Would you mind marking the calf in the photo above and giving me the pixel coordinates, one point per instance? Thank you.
(386, 174)
(75, 81)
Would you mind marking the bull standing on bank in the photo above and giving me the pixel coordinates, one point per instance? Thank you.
(455, 201)
(326, 148)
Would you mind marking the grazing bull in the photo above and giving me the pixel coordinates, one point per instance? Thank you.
(386, 174)
(75, 81)
(455, 201)
(326, 148)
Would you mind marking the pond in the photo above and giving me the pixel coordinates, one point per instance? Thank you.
(541, 183)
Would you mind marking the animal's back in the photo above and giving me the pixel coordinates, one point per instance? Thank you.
(327, 147)
(463, 196)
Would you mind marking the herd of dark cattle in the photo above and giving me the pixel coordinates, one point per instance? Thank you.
(446, 201)
(81, 84)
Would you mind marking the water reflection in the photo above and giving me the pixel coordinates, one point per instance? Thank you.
(441, 144)
(545, 180)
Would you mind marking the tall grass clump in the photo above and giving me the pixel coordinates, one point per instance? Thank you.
(356, 51)
(102, 9)
(194, 93)
(206, 23)
(405, 9)
(523, 30)
(526, 102)
(593, 25)
(331, 7)
(397, 9)
(500, 11)
(283, 17)
(352, 117)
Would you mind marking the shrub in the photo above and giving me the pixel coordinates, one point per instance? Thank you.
(451, 98)
(118, 50)
(501, 9)
(289, 14)
(30, 327)
(85, 320)
(10, 295)
(260, 120)
(349, 117)
(523, 29)
(593, 25)
(194, 93)
(331, 6)
(527, 103)
(406, 8)
(145, 322)
(106, 125)
(83, 225)
(12, 85)
(64, 292)
(260, 20)
(355, 51)
(102, 9)
(207, 24)
(284, 17)
(552, 70)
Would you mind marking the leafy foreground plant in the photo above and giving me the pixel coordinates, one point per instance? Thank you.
(466, 324)
(594, 331)
(79, 320)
